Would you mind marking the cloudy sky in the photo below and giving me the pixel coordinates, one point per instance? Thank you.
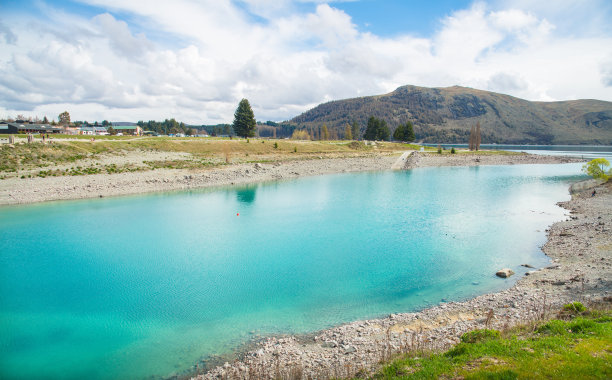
(195, 59)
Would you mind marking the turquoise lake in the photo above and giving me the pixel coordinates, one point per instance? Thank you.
(146, 286)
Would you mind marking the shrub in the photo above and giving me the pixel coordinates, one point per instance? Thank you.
(275, 145)
(480, 335)
(453, 151)
(574, 307)
(295, 149)
(554, 326)
(357, 145)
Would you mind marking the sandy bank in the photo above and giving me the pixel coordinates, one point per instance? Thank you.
(31, 190)
(581, 270)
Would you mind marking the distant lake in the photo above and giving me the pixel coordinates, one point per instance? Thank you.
(584, 151)
(146, 286)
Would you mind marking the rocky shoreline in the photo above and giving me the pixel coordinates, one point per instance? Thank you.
(581, 252)
(32, 190)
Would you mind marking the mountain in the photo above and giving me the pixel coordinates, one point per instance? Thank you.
(447, 114)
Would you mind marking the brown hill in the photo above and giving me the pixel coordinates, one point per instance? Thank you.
(446, 115)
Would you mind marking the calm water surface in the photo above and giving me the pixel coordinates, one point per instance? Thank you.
(134, 287)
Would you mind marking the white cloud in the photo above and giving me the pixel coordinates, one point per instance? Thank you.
(213, 53)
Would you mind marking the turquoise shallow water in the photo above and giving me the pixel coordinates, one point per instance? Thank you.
(142, 286)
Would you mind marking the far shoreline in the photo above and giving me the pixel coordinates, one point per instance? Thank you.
(15, 191)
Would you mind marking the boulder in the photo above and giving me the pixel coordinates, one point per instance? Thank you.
(504, 273)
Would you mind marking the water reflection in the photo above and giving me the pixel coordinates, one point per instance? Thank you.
(246, 194)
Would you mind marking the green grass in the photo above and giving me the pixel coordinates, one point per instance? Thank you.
(578, 348)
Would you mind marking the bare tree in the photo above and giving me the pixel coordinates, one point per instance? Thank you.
(477, 135)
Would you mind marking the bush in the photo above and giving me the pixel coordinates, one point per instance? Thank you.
(453, 151)
(574, 307)
(554, 326)
(480, 336)
(357, 145)
(275, 145)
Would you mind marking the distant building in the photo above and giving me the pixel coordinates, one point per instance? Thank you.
(15, 128)
(99, 131)
(128, 129)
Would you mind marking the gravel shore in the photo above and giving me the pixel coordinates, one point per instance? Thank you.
(581, 270)
(31, 190)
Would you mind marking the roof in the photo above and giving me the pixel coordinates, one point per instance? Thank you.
(37, 127)
(93, 128)
(115, 127)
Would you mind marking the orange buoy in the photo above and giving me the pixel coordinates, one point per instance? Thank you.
(237, 214)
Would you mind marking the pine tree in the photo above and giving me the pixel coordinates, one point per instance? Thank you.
(409, 132)
(477, 142)
(371, 129)
(244, 120)
(399, 133)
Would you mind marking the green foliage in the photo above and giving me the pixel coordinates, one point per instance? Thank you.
(574, 307)
(244, 120)
(404, 132)
(376, 129)
(64, 118)
(597, 167)
(453, 151)
(480, 336)
(275, 145)
(577, 348)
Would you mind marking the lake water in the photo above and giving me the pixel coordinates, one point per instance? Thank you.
(582, 151)
(146, 286)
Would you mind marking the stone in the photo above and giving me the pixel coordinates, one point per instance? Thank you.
(504, 273)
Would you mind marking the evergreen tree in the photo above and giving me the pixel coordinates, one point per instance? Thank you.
(383, 131)
(398, 134)
(371, 129)
(244, 120)
(376, 129)
(409, 132)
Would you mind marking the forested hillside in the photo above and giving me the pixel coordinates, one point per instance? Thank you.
(446, 115)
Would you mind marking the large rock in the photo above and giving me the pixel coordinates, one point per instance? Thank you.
(504, 273)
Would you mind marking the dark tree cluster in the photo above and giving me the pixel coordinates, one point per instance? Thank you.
(166, 127)
(376, 129)
(404, 132)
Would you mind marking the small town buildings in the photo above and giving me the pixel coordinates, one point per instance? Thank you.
(15, 128)
(128, 129)
(98, 131)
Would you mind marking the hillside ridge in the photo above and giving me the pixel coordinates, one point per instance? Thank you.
(446, 114)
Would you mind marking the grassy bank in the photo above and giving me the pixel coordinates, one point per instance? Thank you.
(77, 156)
(576, 344)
